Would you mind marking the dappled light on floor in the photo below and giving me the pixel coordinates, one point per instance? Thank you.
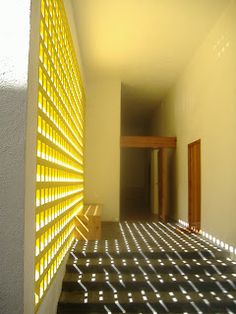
(148, 267)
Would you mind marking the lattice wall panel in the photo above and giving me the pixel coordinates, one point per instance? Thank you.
(59, 180)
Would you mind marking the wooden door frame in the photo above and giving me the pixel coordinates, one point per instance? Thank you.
(194, 186)
(163, 185)
(147, 142)
(161, 143)
(154, 184)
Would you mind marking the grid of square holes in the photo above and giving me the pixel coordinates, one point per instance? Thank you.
(59, 174)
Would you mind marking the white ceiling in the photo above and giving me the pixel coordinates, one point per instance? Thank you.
(146, 43)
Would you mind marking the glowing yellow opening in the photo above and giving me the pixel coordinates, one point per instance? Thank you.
(59, 144)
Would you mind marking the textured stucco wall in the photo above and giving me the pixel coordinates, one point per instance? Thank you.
(14, 43)
(12, 116)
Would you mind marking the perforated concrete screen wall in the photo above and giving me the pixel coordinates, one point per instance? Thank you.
(60, 128)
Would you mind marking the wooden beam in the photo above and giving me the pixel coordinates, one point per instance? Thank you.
(147, 142)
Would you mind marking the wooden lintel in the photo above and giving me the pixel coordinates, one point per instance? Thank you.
(147, 142)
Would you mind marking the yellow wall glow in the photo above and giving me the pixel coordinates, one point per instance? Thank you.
(202, 105)
(60, 130)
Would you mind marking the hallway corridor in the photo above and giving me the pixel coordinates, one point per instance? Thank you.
(148, 268)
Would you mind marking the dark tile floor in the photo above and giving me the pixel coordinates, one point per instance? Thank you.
(148, 268)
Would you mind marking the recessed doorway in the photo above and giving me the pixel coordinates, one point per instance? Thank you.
(135, 184)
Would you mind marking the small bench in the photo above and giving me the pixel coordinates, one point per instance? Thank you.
(88, 223)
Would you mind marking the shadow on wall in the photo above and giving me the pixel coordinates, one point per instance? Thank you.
(13, 103)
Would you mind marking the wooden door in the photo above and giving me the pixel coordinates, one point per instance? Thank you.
(163, 184)
(194, 185)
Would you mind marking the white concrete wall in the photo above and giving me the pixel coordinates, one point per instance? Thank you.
(102, 153)
(202, 105)
(14, 43)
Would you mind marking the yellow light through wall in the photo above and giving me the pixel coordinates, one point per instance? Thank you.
(60, 129)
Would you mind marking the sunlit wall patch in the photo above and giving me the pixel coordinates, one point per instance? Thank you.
(217, 242)
(60, 138)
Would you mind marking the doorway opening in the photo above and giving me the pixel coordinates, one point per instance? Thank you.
(139, 180)
(135, 184)
(143, 193)
(194, 185)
